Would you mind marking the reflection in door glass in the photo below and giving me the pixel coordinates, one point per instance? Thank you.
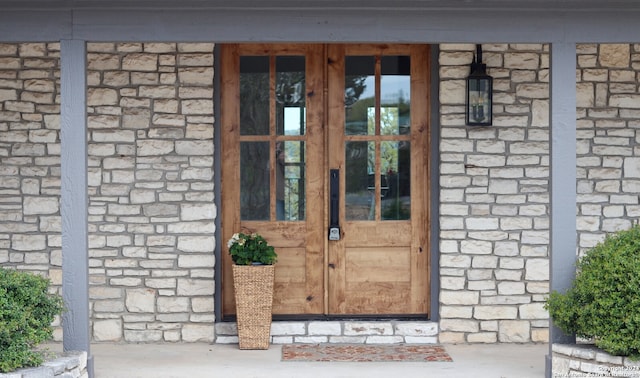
(395, 95)
(254, 180)
(395, 163)
(359, 93)
(254, 95)
(290, 181)
(290, 95)
(360, 203)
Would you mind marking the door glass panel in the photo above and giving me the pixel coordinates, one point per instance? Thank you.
(290, 180)
(395, 180)
(395, 95)
(254, 180)
(359, 93)
(360, 180)
(254, 95)
(290, 95)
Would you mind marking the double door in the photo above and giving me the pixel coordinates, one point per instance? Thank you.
(325, 153)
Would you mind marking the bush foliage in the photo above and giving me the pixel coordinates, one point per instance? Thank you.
(603, 303)
(27, 310)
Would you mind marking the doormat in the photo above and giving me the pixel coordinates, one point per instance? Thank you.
(364, 353)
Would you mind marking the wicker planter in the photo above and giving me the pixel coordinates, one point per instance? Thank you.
(253, 286)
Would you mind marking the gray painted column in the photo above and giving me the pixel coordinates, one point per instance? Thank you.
(563, 177)
(74, 197)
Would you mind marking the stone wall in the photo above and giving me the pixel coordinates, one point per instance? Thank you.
(151, 211)
(30, 159)
(340, 332)
(68, 365)
(150, 117)
(571, 360)
(607, 132)
(494, 193)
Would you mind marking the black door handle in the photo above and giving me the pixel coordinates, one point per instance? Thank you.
(334, 203)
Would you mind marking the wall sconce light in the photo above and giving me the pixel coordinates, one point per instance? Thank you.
(479, 93)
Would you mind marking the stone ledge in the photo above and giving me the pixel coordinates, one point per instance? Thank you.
(585, 360)
(341, 332)
(68, 365)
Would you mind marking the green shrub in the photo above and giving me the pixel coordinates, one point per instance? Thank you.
(603, 303)
(26, 313)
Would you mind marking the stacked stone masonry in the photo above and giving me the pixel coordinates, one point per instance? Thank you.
(588, 361)
(494, 199)
(151, 211)
(30, 226)
(608, 106)
(341, 332)
(151, 191)
(69, 365)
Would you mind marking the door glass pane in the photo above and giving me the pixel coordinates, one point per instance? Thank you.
(254, 180)
(290, 181)
(290, 95)
(254, 95)
(395, 95)
(359, 93)
(360, 181)
(395, 181)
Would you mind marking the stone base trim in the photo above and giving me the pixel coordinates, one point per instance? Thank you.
(340, 332)
(69, 365)
(577, 360)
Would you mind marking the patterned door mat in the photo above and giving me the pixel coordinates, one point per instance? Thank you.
(364, 353)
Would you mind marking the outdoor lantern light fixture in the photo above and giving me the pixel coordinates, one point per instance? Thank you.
(479, 93)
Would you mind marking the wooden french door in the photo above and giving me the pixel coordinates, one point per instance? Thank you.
(325, 153)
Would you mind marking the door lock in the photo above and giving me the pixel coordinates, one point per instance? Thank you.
(334, 233)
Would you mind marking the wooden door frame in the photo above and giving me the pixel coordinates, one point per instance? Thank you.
(424, 84)
(310, 291)
(420, 164)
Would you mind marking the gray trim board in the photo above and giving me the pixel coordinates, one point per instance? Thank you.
(434, 149)
(217, 183)
(74, 198)
(420, 24)
(563, 178)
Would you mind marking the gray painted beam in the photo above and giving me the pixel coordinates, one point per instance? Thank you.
(563, 177)
(419, 25)
(74, 198)
(30, 26)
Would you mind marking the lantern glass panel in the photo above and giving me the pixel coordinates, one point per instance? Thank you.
(479, 101)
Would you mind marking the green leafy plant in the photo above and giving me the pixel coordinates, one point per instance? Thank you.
(248, 249)
(603, 303)
(27, 310)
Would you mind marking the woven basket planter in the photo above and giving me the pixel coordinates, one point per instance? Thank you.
(253, 286)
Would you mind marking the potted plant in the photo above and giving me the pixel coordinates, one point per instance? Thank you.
(253, 276)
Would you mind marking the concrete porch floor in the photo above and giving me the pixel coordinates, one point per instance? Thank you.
(226, 360)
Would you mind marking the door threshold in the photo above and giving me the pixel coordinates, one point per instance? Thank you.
(307, 318)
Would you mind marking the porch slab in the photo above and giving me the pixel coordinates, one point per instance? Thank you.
(205, 360)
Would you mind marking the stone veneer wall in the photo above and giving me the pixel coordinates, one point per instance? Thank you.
(68, 365)
(581, 360)
(150, 109)
(608, 140)
(494, 193)
(30, 159)
(151, 211)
